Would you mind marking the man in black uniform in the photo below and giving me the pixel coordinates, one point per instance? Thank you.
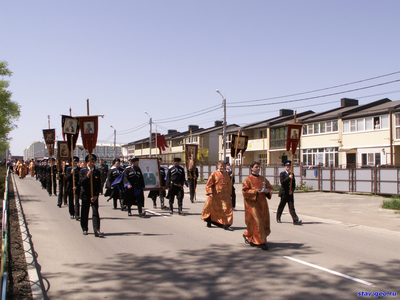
(175, 181)
(229, 171)
(72, 173)
(153, 194)
(104, 172)
(286, 194)
(86, 176)
(115, 171)
(192, 175)
(61, 185)
(134, 184)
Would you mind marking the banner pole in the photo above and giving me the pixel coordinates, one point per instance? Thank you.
(234, 161)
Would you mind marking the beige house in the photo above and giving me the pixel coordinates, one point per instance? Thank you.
(206, 139)
(347, 136)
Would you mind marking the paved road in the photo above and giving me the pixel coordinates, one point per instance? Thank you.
(177, 257)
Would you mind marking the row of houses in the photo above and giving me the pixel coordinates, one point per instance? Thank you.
(349, 135)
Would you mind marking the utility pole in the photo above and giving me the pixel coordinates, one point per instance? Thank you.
(150, 133)
(223, 126)
(115, 142)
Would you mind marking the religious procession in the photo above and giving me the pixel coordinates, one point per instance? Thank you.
(79, 184)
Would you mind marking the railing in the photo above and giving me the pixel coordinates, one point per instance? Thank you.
(4, 244)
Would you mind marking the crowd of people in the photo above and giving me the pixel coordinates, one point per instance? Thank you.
(80, 184)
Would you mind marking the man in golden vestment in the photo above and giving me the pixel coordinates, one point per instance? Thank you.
(256, 210)
(218, 207)
(32, 167)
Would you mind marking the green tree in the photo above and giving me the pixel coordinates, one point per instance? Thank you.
(9, 110)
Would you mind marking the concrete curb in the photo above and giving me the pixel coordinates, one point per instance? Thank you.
(31, 262)
(389, 211)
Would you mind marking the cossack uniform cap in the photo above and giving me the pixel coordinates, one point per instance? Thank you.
(177, 159)
(94, 157)
(288, 163)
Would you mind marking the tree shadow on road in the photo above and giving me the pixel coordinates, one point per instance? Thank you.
(218, 272)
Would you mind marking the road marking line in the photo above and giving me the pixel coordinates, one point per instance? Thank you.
(329, 271)
(157, 214)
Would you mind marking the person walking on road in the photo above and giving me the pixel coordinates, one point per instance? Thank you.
(286, 194)
(90, 177)
(256, 189)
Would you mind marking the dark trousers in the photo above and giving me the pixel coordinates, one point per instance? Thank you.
(71, 204)
(77, 204)
(60, 192)
(178, 192)
(192, 188)
(86, 204)
(139, 200)
(290, 201)
(233, 197)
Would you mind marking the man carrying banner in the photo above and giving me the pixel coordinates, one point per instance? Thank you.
(286, 194)
(72, 173)
(288, 182)
(90, 176)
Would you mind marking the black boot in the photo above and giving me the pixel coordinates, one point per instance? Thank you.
(180, 210)
(154, 203)
(162, 204)
(278, 218)
(171, 209)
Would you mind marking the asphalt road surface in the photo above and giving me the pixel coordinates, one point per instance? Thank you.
(345, 246)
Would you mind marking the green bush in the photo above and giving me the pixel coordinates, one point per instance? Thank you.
(391, 204)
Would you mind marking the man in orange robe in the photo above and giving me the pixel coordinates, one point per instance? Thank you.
(218, 207)
(256, 210)
(32, 168)
(23, 170)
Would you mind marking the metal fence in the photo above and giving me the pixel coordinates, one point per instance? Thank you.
(373, 180)
(4, 244)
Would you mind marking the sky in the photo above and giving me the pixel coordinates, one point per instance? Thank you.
(167, 58)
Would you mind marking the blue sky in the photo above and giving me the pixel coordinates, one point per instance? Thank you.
(168, 57)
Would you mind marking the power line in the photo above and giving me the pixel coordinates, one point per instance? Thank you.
(209, 109)
(316, 97)
(318, 90)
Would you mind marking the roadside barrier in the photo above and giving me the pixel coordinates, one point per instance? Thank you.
(4, 244)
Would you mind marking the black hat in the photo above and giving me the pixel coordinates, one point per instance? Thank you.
(76, 159)
(116, 160)
(177, 159)
(94, 157)
(53, 159)
(134, 159)
(287, 163)
(227, 164)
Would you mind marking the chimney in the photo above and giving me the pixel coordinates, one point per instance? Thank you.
(285, 112)
(218, 123)
(347, 102)
(193, 127)
(170, 131)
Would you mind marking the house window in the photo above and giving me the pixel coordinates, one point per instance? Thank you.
(278, 137)
(346, 126)
(360, 125)
(305, 130)
(352, 125)
(397, 124)
(322, 127)
(262, 158)
(335, 126)
(371, 159)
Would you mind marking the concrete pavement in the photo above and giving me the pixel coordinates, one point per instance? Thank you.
(177, 257)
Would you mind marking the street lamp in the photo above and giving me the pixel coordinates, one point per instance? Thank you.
(115, 141)
(150, 133)
(223, 126)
